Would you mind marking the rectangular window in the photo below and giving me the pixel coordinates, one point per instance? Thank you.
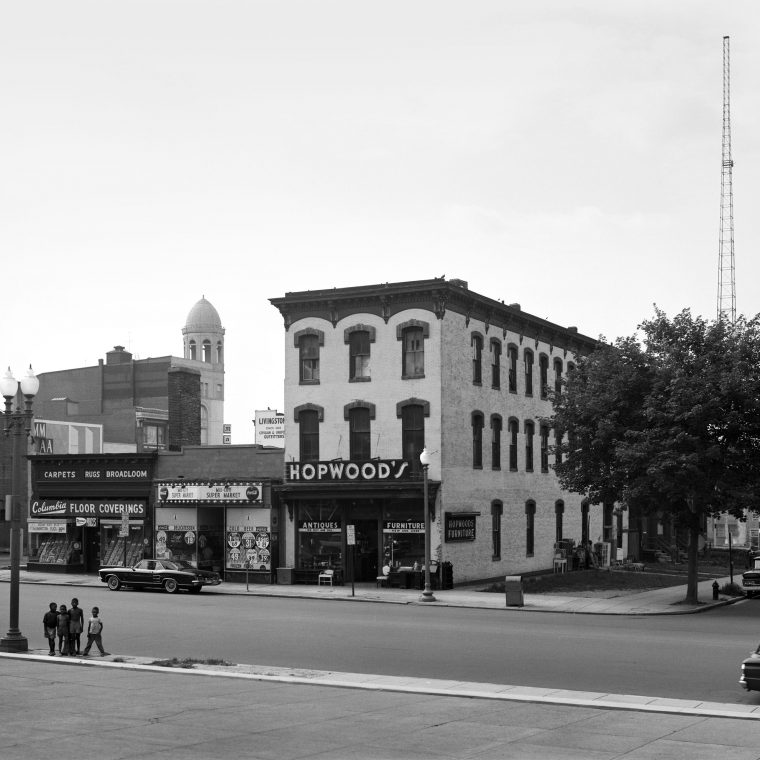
(512, 364)
(495, 364)
(414, 352)
(308, 435)
(496, 512)
(309, 358)
(413, 434)
(154, 436)
(359, 434)
(358, 346)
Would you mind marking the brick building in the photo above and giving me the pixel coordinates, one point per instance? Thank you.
(375, 373)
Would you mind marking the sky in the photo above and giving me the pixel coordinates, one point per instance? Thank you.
(562, 155)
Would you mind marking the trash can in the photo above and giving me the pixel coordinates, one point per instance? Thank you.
(513, 590)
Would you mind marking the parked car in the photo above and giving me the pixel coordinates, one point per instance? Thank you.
(750, 678)
(751, 579)
(170, 575)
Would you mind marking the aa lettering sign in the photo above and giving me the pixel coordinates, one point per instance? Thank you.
(459, 527)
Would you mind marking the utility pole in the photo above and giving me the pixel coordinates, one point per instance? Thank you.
(726, 270)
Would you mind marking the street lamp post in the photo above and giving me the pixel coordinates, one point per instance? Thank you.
(427, 594)
(19, 423)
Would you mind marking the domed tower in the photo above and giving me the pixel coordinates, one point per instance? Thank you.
(203, 338)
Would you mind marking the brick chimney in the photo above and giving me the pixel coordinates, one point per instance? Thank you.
(184, 408)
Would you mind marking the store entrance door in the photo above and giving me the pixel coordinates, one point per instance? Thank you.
(365, 559)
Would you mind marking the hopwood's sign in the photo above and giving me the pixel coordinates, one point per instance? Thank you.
(375, 470)
(459, 526)
(86, 507)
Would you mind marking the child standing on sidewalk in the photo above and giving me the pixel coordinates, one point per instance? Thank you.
(94, 633)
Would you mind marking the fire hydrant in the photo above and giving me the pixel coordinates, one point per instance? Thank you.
(715, 588)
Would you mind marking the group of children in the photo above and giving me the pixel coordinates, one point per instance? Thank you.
(67, 626)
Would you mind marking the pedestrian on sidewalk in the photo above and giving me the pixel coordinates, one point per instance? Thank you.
(64, 633)
(94, 633)
(76, 627)
(50, 624)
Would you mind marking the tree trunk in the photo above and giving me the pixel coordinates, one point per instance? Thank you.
(692, 577)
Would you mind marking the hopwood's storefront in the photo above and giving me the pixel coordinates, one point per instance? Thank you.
(77, 511)
(381, 499)
(225, 526)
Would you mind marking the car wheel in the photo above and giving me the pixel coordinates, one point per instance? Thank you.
(170, 586)
(114, 583)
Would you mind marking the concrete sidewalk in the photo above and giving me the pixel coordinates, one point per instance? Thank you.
(664, 601)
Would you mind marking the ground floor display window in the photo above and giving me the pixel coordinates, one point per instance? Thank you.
(177, 534)
(248, 539)
(119, 550)
(403, 539)
(54, 542)
(320, 537)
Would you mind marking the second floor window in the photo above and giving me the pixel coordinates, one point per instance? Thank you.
(413, 434)
(543, 368)
(477, 359)
(358, 348)
(477, 440)
(359, 433)
(513, 445)
(544, 448)
(308, 357)
(529, 433)
(308, 435)
(495, 442)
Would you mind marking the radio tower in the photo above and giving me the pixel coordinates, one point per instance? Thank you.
(726, 271)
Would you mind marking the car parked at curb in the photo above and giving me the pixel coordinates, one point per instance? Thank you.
(751, 579)
(170, 575)
(750, 678)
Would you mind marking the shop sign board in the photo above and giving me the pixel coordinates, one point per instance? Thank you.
(47, 527)
(86, 522)
(375, 470)
(270, 428)
(319, 526)
(459, 526)
(403, 526)
(86, 507)
(248, 492)
(95, 473)
(350, 535)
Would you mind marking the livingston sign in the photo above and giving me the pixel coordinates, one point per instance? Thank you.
(341, 471)
(86, 508)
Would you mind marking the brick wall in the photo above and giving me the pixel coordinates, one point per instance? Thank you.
(184, 408)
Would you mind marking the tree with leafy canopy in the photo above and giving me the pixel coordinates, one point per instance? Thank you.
(670, 426)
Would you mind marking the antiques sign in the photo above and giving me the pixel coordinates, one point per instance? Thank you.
(86, 507)
(459, 526)
(331, 471)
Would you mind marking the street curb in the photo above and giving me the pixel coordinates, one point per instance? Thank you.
(431, 687)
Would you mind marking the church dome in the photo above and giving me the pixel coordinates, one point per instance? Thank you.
(203, 317)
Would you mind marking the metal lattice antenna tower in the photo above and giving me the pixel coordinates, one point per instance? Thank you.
(726, 270)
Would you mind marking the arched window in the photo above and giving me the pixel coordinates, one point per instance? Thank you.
(477, 440)
(530, 430)
(544, 433)
(528, 360)
(359, 414)
(476, 342)
(495, 363)
(558, 376)
(543, 369)
(495, 441)
(308, 418)
(413, 431)
(557, 446)
(412, 335)
(207, 351)
(513, 428)
(193, 350)
(497, 510)
(530, 528)
(308, 358)
(358, 351)
(219, 353)
(512, 367)
(559, 511)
